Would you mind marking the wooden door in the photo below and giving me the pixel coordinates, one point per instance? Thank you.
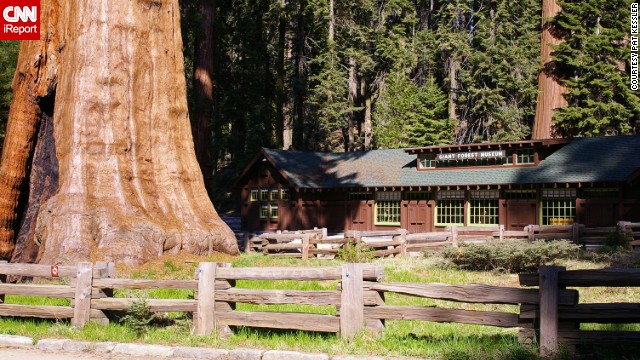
(419, 215)
(600, 213)
(361, 216)
(521, 213)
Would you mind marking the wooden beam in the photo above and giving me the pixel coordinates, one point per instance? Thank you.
(433, 314)
(82, 300)
(548, 279)
(352, 301)
(278, 320)
(206, 317)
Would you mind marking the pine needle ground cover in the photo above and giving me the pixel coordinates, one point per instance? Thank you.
(399, 338)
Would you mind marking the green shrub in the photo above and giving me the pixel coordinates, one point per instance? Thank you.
(510, 256)
(356, 253)
(138, 316)
(616, 240)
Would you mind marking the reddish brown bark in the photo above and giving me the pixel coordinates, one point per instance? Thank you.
(203, 86)
(129, 183)
(35, 76)
(550, 88)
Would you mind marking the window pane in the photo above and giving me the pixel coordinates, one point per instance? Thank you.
(254, 195)
(558, 206)
(264, 209)
(284, 194)
(450, 207)
(275, 194)
(388, 212)
(360, 196)
(264, 194)
(484, 207)
(418, 195)
(273, 212)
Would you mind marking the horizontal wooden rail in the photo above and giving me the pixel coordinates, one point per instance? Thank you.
(52, 291)
(371, 272)
(36, 270)
(573, 337)
(279, 320)
(590, 278)
(472, 293)
(42, 311)
(155, 305)
(272, 297)
(608, 313)
(433, 314)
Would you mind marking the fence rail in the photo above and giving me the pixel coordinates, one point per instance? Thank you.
(315, 243)
(550, 310)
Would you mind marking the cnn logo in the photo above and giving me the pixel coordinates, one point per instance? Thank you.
(20, 20)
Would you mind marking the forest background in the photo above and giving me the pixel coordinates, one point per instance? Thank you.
(326, 75)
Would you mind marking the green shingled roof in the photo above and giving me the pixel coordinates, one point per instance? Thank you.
(597, 159)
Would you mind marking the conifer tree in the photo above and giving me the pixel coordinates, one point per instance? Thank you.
(593, 59)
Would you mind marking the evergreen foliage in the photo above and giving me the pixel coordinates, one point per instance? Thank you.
(8, 60)
(593, 63)
(409, 115)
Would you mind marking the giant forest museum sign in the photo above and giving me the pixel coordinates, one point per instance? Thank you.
(593, 181)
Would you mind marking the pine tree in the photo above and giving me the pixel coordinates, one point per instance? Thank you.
(592, 60)
(410, 115)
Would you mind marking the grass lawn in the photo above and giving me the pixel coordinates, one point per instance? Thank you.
(399, 338)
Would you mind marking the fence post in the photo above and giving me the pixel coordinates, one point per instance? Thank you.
(3, 279)
(247, 243)
(305, 246)
(575, 233)
(549, 289)
(206, 317)
(325, 234)
(82, 303)
(531, 231)
(352, 300)
(622, 225)
(501, 233)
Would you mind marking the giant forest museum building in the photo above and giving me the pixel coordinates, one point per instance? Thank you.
(592, 181)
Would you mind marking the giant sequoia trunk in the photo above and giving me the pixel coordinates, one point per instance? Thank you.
(34, 80)
(550, 88)
(129, 184)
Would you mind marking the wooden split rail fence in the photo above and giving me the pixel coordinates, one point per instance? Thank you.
(315, 243)
(551, 311)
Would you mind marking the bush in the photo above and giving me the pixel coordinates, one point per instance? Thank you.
(616, 240)
(356, 253)
(510, 256)
(139, 316)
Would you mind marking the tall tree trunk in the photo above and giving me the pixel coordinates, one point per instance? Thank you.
(550, 89)
(299, 87)
(453, 95)
(130, 187)
(352, 98)
(203, 88)
(280, 76)
(35, 77)
(368, 126)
